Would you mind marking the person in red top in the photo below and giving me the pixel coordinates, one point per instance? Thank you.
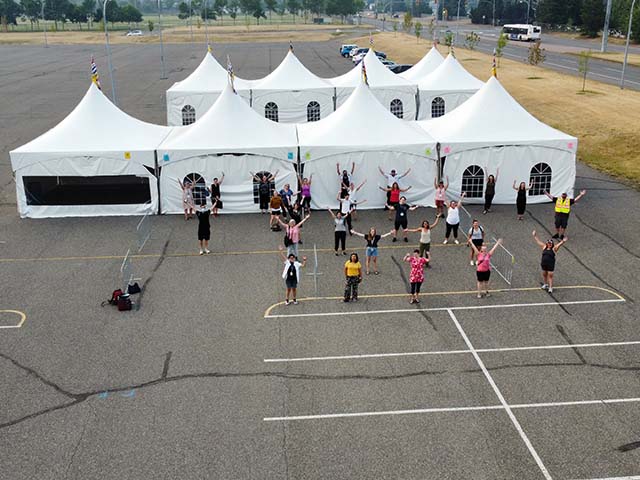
(483, 269)
(416, 277)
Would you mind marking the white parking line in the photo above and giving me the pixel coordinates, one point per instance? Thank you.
(636, 477)
(518, 406)
(444, 309)
(448, 352)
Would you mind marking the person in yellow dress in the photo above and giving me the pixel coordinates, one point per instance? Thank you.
(353, 274)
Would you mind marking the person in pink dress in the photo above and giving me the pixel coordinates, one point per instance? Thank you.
(483, 269)
(416, 277)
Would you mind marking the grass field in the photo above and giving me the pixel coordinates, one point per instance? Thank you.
(605, 119)
(617, 57)
(180, 34)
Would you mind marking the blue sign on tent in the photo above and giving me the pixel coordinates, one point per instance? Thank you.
(165, 157)
(290, 155)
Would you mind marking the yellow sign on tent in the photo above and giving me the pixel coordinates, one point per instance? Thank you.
(127, 155)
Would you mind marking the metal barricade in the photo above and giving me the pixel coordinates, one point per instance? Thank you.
(126, 272)
(143, 231)
(315, 272)
(503, 262)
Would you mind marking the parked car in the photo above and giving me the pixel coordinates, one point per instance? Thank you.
(363, 51)
(388, 63)
(345, 49)
(381, 55)
(357, 51)
(134, 33)
(395, 15)
(400, 67)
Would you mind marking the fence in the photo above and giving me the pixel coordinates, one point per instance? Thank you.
(502, 260)
(315, 272)
(143, 231)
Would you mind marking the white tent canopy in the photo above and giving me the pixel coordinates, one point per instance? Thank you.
(293, 88)
(94, 157)
(229, 138)
(451, 83)
(492, 131)
(385, 85)
(200, 90)
(427, 65)
(363, 132)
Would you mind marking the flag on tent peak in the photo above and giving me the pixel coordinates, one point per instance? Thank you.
(290, 46)
(95, 78)
(494, 68)
(209, 48)
(365, 79)
(231, 74)
(370, 39)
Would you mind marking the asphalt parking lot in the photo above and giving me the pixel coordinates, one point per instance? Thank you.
(213, 377)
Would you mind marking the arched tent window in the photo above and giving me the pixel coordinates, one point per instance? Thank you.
(271, 111)
(473, 182)
(396, 108)
(188, 115)
(199, 187)
(256, 185)
(540, 179)
(437, 107)
(313, 112)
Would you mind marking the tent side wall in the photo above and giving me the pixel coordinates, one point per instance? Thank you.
(237, 190)
(325, 182)
(200, 101)
(292, 104)
(515, 163)
(385, 95)
(452, 100)
(64, 186)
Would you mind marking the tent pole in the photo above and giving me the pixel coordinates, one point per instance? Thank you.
(335, 98)
(439, 162)
(417, 103)
(157, 172)
(251, 97)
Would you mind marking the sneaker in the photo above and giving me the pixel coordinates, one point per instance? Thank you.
(416, 301)
(544, 286)
(355, 299)
(479, 295)
(394, 239)
(471, 263)
(484, 212)
(343, 252)
(445, 241)
(411, 300)
(487, 294)
(201, 252)
(295, 302)
(406, 240)
(550, 290)
(287, 302)
(456, 241)
(346, 300)
(337, 254)
(207, 251)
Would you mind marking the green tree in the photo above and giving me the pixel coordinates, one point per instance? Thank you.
(472, 40)
(232, 8)
(219, 8)
(316, 7)
(293, 6)
(583, 66)
(417, 29)
(592, 15)
(271, 6)
(130, 14)
(451, 8)
(394, 25)
(407, 22)
(31, 9)
(449, 39)
(257, 11)
(9, 12)
(500, 44)
(183, 11)
(151, 26)
(88, 7)
(553, 12)
(536, 55)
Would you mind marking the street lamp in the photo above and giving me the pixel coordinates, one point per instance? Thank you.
(106, 36)
(206, 21)
(164, 75)
(626, 47)
(191, 29)
(457, 22)
(44, 26)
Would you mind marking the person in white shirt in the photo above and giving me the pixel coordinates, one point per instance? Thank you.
(345, 178)
(453, 220)
(475, 236)
(291, 274)
(353, 196)
(347, 206)
(392, 177)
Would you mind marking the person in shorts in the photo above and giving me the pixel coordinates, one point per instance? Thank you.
(440, 196)
(562, 207)
(291, 275)
(483, 269)
(475, 236)
(392, 177)
(215, 194)
(424, 246)
(204, 228)
(402, 220)
(548, 260)
(275, 207)
(372, 238)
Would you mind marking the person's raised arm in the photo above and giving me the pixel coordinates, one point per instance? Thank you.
(537, 240)
(381, 171)
(180, 183)
(361, 185)
(413, 207)
(353, 167)
(582, 194)
(406, 189)
(495, 247)
(310, 178)
(281, 252)
(407, 258)
(562, 242)
(435, 182)
(390, 207)
(472, 245)
(304, 262)
(331, 212)
(405, 173)
(495, 177)
(435, 223)
(514, 185)
(387, 234)
(303, 220)
(299, 178)
(282, 223)
(338, 168)
(384, 189)
(548, 195)
(446, 185)
(360, 202)
(357, 234)
(221, 179)
(462, 195)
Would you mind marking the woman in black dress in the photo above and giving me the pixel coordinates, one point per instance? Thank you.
(215, 195)
(548, 261)
(490, 191)
(521, 199)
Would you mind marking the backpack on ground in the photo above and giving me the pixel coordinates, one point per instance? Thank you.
(124, 302)
(115, 296)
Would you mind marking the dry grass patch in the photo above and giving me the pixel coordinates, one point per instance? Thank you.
(616, 57)
(605, 119)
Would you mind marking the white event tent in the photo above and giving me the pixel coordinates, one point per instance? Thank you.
(98, 161)
(363, 132)
(447, 87)
(231, 138)
(189, 99)
(427, 65)
(492, 131)
(392, 91)
(292, 94)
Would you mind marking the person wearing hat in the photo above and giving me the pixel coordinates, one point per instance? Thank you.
(548, 261)
(392, 177)
(563, 206)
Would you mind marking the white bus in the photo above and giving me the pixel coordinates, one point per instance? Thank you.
(524, 33)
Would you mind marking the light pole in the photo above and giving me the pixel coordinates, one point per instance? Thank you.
(626, 47)
(44, 26)
(605, 30)
(493, 19)
(457, 22)
(164, 75)
(206, 22)
(191, 29)
(114, 98)
(528, 8)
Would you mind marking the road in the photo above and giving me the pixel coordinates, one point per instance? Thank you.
(557, 49)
